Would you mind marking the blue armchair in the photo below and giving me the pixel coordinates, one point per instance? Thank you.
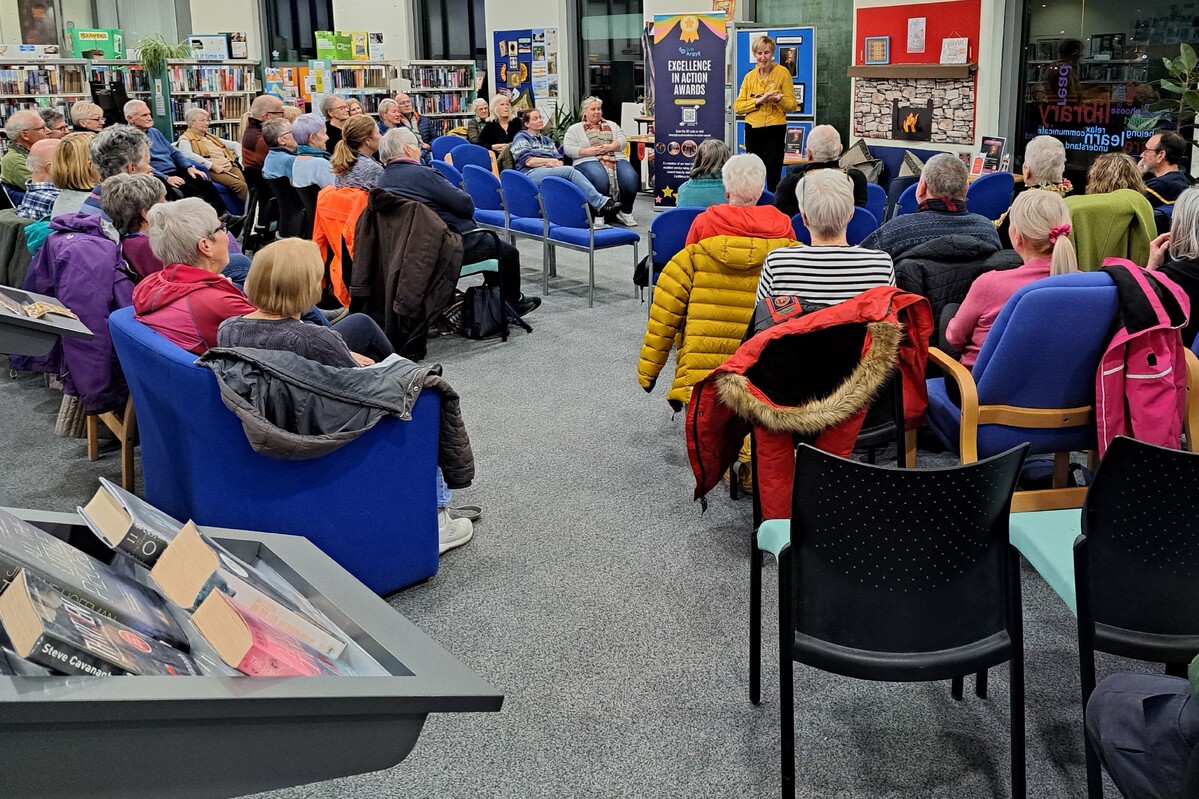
(371, 506)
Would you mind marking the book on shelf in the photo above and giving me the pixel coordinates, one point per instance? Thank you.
(194, 566)
(19, 666)
(94, 585)
(256, 648)
(431, 77)
(60, 634)
(129, 524)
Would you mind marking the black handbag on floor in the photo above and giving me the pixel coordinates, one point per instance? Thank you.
(483, 313)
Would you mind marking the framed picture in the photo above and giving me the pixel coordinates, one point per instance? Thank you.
(794, 141)
(878, 50)
(789, 57)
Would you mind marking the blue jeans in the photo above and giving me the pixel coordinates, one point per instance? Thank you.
(594, 198)
(444, 495)
(626, 178)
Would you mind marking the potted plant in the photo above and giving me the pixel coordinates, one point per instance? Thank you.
(154, 52)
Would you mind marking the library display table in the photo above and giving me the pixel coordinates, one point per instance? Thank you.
(229, 736)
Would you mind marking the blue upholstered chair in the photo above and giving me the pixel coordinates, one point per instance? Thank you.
(767, 198)
(371, 505)
(1034, 380)
(522, 202)
(861, 225)
(444, 144)
(907, 203)
(876, 201)
(802, 234)
(991, 195)
(449, 172)
(467, 153)
(488, 196)
(667, 237)
(565, 210)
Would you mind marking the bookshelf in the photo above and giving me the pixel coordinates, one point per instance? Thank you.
(224, 89)
(42, 83)
(442, 91)
(368, 82)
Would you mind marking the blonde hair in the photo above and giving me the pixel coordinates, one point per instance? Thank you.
(291, 113)
(762, 41)
(1112, 171)
(285, 278)
(83, 109)
(495, 103)
(354, 133)
(1042, 219)
(72, 167)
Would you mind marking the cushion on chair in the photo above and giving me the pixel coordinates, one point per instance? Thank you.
(911, 167)
(604, 237)
(1046, 539)
(531, 227)
(487, 217)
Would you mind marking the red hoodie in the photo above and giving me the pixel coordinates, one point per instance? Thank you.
(755, 221)
(187, 305)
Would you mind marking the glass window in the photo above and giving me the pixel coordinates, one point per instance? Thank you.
(292, 26)
(1088, 68)
(610, 46)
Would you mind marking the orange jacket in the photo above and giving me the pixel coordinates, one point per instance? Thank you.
(752, 221)
(337, 213)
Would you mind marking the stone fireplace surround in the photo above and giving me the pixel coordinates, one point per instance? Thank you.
(953, 106)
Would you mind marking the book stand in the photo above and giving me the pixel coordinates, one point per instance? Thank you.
(21, 335)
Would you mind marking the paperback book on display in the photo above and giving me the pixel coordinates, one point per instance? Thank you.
(83, 579)
(193, 567)
(129, 524)
(52, 631)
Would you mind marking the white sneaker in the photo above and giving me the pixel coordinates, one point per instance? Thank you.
(626, 219)
(598, 222)
(452, 533)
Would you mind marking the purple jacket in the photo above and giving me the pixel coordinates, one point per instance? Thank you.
(82, 266)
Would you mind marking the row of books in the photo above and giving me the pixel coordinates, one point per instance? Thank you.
(230, 108)
(450, 103)
(40, 80)
(10, 107)
(210, 79)
(136, 80)
(369, 102)
(437, 77)
(359, 77)
(173, 602)
(443, 126)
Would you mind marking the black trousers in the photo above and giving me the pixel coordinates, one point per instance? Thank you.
(479, 245)
(196, 187)
(767, 143)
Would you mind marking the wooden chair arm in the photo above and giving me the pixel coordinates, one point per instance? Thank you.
(968, 390)
(1190, 415)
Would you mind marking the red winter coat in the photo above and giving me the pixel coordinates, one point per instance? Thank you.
(782, 383)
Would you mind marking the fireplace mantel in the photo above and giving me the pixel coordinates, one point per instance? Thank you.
(930, 71)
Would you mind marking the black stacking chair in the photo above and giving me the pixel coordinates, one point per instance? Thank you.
(308, 195)
(292, 222)
(898, 575)
(1136, 565)
(260, 207)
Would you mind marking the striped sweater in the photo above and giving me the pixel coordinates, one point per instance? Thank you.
(824, 275)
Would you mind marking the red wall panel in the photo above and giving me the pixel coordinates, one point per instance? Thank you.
(942, 20)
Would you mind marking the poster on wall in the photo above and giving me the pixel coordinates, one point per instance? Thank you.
(688, 94)
(39, 21)
(795, 48)
(526, 67)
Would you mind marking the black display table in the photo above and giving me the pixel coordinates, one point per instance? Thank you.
(21, 335)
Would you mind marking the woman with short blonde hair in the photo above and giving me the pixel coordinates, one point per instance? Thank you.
(73, 172)
(767, 95)
(596, 147)
(87, 117)
(285, 278)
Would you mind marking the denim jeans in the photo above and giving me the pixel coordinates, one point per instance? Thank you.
(626, 178)
(444, 495)
(594, 198)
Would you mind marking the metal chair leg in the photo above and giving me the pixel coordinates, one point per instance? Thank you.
(980, 684)
(591, 278)
(786, 682)
(546, 249)
(955, 688)
(755, 621)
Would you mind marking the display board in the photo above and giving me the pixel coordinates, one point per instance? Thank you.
(689, 69)
(526, 67)
(795, 48)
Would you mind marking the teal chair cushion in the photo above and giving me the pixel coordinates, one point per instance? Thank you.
(1046, 538)
(490, 265)
(773, 535)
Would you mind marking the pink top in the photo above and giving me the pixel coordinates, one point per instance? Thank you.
(988, 294)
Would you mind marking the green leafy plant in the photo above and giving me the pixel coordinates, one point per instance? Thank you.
(154, 52)
(564, 117)
(1184, 84)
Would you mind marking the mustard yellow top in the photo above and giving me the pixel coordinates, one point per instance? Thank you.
(755, 86)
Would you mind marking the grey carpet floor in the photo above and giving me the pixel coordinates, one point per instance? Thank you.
(612, 613)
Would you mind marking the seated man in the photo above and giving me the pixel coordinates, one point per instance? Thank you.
(281, 157)
(1164, 179)
(253, 149)
(742, 216)
(822, 152)
(536, 155)
(404, 175)
(56, 124)
(830, 271)
(40, 191)
(23, 129)
(171, 166)
(941, 193)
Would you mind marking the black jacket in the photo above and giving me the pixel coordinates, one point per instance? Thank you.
(943, 268)
(784, 193)
(412, 181)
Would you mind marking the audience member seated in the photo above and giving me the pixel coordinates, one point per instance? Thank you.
(1176, 255)
(286, 279)
(1160, 162)
(404, 176)
(742, 216)
(475, 126)
(282, 156)
(536, 155)
(353, 163)
(311, 167)
(596, 148)
(253, 148)
(389, 115)
(704, 186)
(830, 271)
(704, 297)
(1044, 169)
(56, 124)
(355, 107)
(421, 126)
(941, 193)
(502, 126)
(219, 156)
(126, 200)
(23, 129)
(87, 117)
(1115, 224)
(73, 173)
(1112, 171)
(170, 165)
(115, 150)
(336, 110)
(1040, 231)
(822, 151)
(40, 191)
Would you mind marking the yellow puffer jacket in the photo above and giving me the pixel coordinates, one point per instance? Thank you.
(703, 302)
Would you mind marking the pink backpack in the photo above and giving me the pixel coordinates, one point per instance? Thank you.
(1140, 387)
